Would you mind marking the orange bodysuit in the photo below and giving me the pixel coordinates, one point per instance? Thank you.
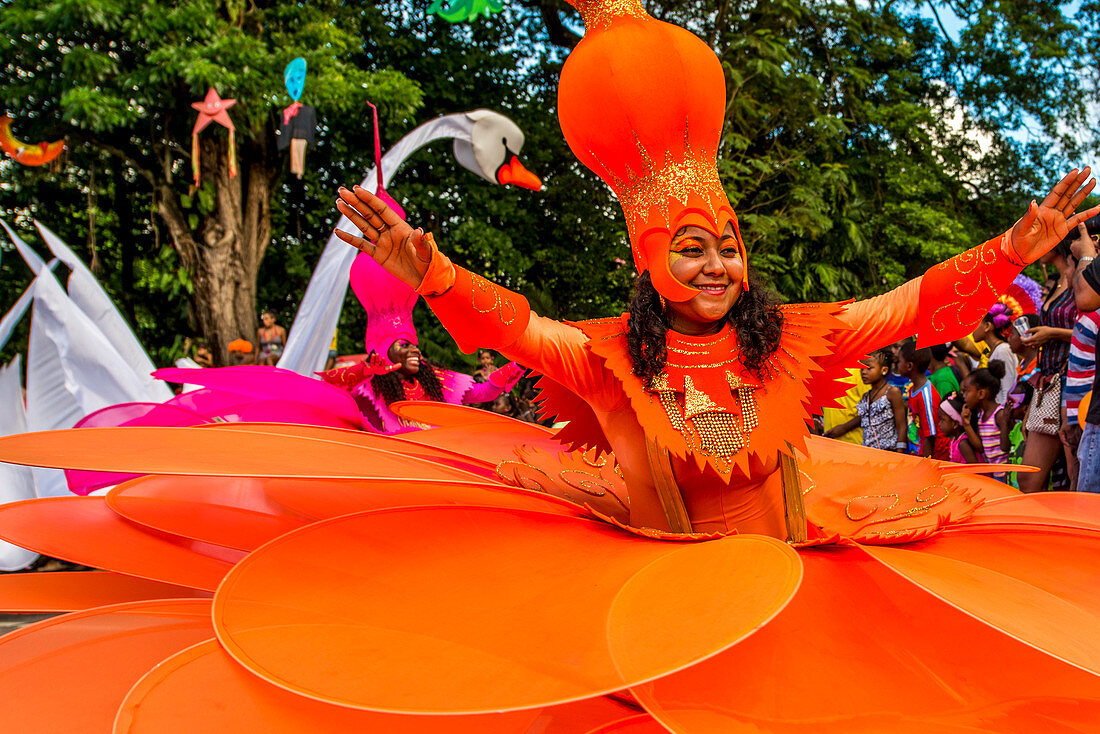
(705, 429)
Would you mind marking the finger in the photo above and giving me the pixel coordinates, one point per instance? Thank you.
(1028, 219)
(358, 204)
(357, 242)
(1073, 187)
(385, 215)
(1080, 219)
(370, 232)
(1059, 189)
(422, 245)
(1080, 196)
(362, 208)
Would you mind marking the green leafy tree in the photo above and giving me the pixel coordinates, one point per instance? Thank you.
(117, 77)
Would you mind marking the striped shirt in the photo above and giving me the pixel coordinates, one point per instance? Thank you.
(924, 406)
(1082, 362)
(990, 433)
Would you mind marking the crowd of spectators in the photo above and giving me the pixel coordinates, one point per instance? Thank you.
(1016, 391)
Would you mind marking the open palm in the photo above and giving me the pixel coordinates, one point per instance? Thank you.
(403, 251)
(1045, 225)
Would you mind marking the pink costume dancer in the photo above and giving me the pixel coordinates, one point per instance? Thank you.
(389, 305)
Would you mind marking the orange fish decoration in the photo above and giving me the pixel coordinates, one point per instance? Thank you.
(25, 153)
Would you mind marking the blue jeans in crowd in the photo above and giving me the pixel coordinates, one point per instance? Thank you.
(1088, 453)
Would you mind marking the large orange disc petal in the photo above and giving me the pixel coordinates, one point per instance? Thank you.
(70, 591)
(202, 689)
(471, 610)
(860, 650)
(324, 498)
(391, 444)
(70, 673)
(230, 511)
(1035, 584)
(85, 531)
(199, 451)
(1057, 509)
(447, 415)
(488, 442)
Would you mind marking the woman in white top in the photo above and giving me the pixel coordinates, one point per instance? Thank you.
(993, 330)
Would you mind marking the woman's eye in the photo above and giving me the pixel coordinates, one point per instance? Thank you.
(730, 252)
(689, 251)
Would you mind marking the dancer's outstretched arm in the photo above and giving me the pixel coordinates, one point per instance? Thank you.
(475, 311)
(949, 300)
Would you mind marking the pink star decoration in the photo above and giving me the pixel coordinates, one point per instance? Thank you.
(213, 109)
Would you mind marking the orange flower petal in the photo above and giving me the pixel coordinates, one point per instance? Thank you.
(472, 610)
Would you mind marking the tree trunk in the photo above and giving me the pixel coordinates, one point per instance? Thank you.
(224, 252)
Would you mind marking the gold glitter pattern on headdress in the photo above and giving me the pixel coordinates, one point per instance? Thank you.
(695, 174)
(598, 14)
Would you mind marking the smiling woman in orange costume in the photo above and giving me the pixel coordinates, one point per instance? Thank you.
(703, 389)
(912, 607)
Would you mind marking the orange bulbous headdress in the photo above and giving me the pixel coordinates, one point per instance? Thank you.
(641, 103)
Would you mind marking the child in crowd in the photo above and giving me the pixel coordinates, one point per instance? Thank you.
(896, 378)
(941, 375)
(989, 433)
(924, 401)
(1018, 400)
(951, 442)
(994, 331)
(881, 412)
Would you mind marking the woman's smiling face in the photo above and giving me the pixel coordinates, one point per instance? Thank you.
(712, 264)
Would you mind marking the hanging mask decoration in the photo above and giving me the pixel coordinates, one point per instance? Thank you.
(295, 78)
(380, 191)
(213, 109)
(457, 11)
(298, 128)
(26, 153)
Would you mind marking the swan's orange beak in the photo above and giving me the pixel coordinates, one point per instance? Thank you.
(513, 172)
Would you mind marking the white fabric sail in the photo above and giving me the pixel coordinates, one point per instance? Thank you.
(16, 482)
(88, 294)
(72, 370)
(16, 312)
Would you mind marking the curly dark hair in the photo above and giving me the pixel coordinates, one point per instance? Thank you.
(756, 317)
(391, 386)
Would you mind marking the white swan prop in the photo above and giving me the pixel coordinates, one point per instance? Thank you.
(485, 142)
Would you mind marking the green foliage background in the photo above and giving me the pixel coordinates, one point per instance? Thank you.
(862, 143)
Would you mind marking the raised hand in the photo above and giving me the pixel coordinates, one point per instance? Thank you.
(349, 377)
(403, 251)
(1044, 225)
(375, 366)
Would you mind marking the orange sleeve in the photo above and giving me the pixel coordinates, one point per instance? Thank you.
(956, 294)
(479, 313)
(944, 304)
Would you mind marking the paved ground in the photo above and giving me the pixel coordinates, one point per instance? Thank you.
(9, 622)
